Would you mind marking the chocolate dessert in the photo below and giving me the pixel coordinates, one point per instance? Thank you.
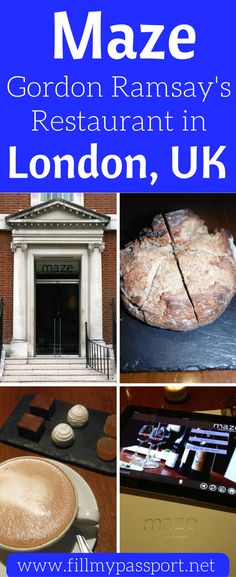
(78, 416)
(63, 435)
(31, 427)
(42, 406)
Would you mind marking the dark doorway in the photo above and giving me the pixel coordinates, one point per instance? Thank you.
(57, 318)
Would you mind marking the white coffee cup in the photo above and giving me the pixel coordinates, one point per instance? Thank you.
(38, 503)
(88, 516)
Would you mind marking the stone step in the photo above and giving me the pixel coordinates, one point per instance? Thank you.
(45, 360)
(46, 372)
(61, 383)
(14, 361)
(68, 369)
(58, 360)
(42, 367)
(91, 378)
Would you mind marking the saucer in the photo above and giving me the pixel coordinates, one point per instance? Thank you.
(68, 544)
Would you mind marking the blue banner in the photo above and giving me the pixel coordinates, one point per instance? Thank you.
(114, 565)
(124, 96)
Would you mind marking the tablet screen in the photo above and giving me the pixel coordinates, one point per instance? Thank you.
(187, 455)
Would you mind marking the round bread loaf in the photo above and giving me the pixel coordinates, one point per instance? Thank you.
(178, 275)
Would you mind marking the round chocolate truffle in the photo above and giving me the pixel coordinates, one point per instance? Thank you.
(77, 416)
(62, 435)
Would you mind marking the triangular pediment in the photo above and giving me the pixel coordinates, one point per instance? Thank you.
(56, 213)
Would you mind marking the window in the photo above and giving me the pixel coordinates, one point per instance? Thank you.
(76, 197)
(52, 195)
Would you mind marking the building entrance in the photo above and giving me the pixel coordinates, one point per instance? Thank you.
(57, 308)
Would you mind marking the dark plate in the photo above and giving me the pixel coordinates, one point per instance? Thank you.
(83, 450)
(149, 349)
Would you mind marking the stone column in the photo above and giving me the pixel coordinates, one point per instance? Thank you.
(18, 347)
(95, 327)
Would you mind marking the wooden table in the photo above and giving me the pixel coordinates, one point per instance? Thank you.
(219, 211)
(103, 486)
(189, 377)
(199, 398)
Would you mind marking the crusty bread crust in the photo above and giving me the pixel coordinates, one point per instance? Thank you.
(183, 226)
(210, 276)
(158, 233)
(177, 275)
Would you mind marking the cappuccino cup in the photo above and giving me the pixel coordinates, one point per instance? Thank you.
(38, 504)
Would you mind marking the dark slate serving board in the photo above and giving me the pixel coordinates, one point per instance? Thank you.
(147, 349)
(83, 450)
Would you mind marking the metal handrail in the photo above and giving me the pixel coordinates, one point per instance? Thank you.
(97, 356)
(113, 304)
(1, 325)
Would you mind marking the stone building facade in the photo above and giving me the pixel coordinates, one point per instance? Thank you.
(58, 271)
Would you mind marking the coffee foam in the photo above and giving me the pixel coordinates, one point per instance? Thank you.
(37, 502)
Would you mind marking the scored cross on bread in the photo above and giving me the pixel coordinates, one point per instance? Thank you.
(152, 285)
